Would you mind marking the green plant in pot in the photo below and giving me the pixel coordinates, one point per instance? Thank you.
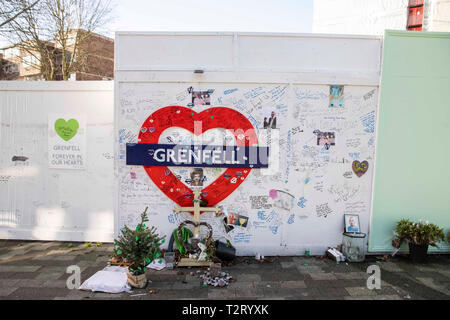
(418, 235)
(138, 248)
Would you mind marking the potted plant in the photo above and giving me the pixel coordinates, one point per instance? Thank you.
(138, 248)
(419, 236)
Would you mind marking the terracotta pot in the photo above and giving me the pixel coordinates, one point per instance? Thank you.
(139, 281)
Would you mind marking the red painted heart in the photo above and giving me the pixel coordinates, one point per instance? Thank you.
(182, 117)
(359, 168)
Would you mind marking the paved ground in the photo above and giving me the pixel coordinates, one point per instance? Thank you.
(37, 270)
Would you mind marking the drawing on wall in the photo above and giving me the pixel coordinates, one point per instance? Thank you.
(270, 118)
(182, 117)
(336, 96)
(66, 141)
(360, 168)
(283, 200)
(307, 191)
(200, 98)
(66, 129)
(325, 139)
(351, 222)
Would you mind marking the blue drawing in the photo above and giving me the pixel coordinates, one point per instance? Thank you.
(261, 215)
(307, 180)
(302, 202)
(230, 91)
(254, 93)
(172, 218)
(259, 225)
(121, 132)
(368, 122)
(242, 237)
(291, 219)
(274, 229)
(354, 155)
(270, 217)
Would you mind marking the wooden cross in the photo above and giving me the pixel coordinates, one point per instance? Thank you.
(188, 262)
(197, 209)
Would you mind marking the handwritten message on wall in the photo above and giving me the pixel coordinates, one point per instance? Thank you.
(297, 203)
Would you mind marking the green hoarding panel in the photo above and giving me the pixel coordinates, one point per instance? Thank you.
(412, 168)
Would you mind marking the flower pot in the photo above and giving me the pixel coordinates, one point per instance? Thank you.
(224, 252)
(139, 281)
(418, 253)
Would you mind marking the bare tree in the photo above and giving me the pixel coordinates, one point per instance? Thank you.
(11, 9)
(55, 33)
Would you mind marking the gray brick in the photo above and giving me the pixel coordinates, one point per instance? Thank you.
(333, 292)
(78, 294)
(249, 292)
(19, 268)
(188, 285)
(55, 284)
(221, 293)
(351, 275)
(386, 297)
(106, 296)
(6, 291)
(288, 264)
(39, 293)
(322, 276)
(8, 282)
(359, 298)
(30, 283)
(248, 277)
(309, 269)
(360, 291)
(50, 276)
(263, 284)
(293, 284)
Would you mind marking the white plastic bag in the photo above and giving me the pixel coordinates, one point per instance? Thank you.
(112, 279)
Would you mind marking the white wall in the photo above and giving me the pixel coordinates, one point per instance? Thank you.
(373, 17)
(359, 16)
(253, 73)
(39, 203)
(439, 16)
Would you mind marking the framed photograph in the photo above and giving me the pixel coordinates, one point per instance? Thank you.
(351, 223)
(200, 98)
(270, 118)
(197, 177)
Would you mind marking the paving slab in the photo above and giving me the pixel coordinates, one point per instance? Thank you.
(40, 273)
(360, 291)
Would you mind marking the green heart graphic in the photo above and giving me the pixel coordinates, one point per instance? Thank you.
(66, 129)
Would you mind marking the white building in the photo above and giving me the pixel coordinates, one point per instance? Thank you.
(374, 16)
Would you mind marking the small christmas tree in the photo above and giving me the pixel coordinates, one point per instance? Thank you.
(139, 247)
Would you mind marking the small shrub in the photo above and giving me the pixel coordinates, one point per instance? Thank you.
(420, 233)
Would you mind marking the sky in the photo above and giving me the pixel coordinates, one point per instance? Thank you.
(210, 15)
(214, 15)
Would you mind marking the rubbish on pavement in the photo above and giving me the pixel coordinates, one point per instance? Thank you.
(112, 279)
